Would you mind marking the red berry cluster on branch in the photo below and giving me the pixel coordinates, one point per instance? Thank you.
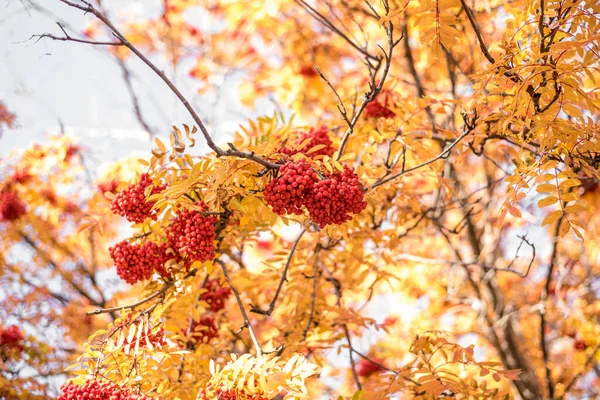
(192, 234)
(332, 200)
(365, 368)
(93, 389)
(11, 206)
(20, 176)
(11, 338)
(380, 107)
(131, 202)
(317, 137)
(137, 262)
(329, 201)
(216, 295)
(204, 330)
(287, 193)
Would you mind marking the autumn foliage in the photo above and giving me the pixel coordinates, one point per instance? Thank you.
(417, 217)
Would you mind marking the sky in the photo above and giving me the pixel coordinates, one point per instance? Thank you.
(49, 84)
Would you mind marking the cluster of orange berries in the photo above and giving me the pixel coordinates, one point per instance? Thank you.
(329, 201)
(131, 202)
(11, 338)
(192, 234)
(137, 262)
(96, 390)
(11, 206)
(317, 137)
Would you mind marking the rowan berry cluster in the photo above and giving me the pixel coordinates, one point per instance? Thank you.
(20, 176)
(137, 262)
(203, 330)
(192, 234)
(131, 202)
(93, 389)
(332, 200)
(329, 201)
(11, 206)
(317, 137)
(216, 295)
(287, 193)
(380, 107)
(11, 338)
(365, 368)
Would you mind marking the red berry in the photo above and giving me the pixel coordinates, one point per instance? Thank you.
(131, 203)
(203, 330)
(137, 262)
(308, 71)
(317, 137)
(579, 345)
(216, 295)
(380, 107)
(332, 200)
(93, 389)
(11, 338)
(11, 206)
(287, 193)
(366, 368)
(21, 176)
(108, 186)
(192, 234)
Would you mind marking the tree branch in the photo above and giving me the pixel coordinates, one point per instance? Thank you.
(283, 279)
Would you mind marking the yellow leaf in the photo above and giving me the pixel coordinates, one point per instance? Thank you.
(545, 188)
(552, 217)
(548, 201)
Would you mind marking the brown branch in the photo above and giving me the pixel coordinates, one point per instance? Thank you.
(247, 324)
(543, 303)
(473, 22)
(314, 293)
(374, 87)
(154, 295)
(283, 279)
(443, 154)
(136, 105)
(69, 38)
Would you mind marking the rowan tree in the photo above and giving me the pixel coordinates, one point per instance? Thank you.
(436, 239)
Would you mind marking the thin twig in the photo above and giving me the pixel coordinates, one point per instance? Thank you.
(443, 154)
(283, 279)
(247, 324)
(144, 300)
(314, 293)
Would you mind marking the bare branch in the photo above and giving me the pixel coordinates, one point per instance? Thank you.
(247, 324)
(283, 279)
